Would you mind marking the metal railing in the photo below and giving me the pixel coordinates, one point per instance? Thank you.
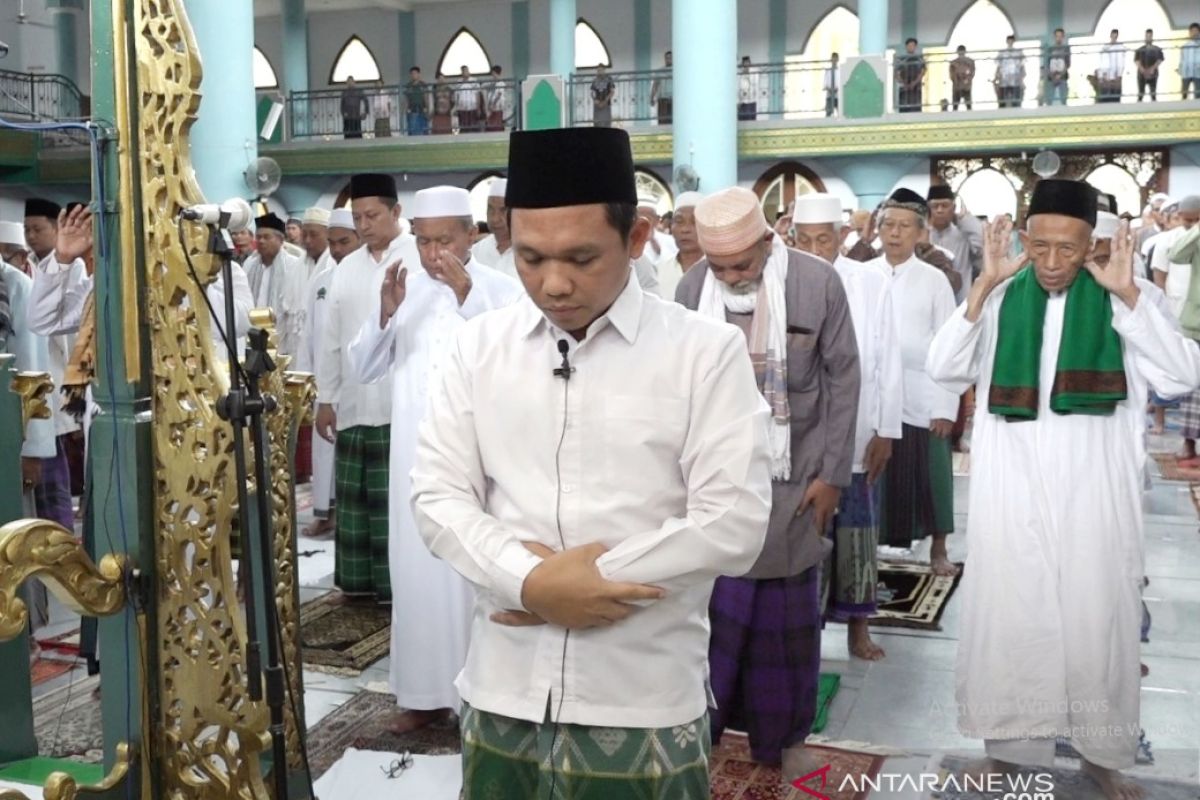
(446, 107)
(37, 97)
(1036, 75)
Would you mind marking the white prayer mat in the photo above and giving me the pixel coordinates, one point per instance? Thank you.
(362, 775)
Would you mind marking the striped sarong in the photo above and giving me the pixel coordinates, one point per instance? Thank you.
(361, 539)
(765, 660)
(852, 569)
(513, 759)
(918, 488)
(52, 494)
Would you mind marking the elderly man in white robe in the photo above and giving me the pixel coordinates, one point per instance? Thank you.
(278, 281)
(1064, 350)
(314, 238)
(852, 570)
(407, 337)
(683, 233)
(495, 249)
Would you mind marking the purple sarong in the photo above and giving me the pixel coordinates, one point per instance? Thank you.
(765, 660)
(52, 495)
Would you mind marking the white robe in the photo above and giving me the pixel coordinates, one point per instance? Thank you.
(487, 252)
(316, 330)
(431, 603)
(281, 287)
(1049, 639)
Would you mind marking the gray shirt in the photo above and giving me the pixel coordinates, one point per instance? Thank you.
(964, 240)
(823, 387)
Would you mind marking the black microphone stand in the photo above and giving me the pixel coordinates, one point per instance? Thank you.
(244, 407)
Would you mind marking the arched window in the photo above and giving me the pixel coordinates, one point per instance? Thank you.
(989, 192)
(1130, 18)
(1112, 179)
(982, 28)
(464, 50)
(650, 185)
(804, 88)
(590, 50)
(264, 73)
(783, 183)
(354, 61)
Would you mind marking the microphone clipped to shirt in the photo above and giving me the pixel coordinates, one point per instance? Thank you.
(566, 369)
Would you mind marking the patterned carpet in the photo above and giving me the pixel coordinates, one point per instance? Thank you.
(67, 722)
(344, 639)
(734, 776)
(912, 596)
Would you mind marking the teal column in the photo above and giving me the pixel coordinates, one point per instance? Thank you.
(520, 39)
(872, 179)
(224, 138)
(1054, 16)
(562, 37)
(872, 27)
(408, 44)
(777, 16)
(295, 46)
(908, 19)
(643, 55)
(705, 90)
(67, 43)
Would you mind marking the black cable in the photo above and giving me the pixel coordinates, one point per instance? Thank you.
(562, 686)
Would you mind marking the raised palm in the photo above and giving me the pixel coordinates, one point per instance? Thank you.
(393, 291)
(1117, 276)
(998, 264)
(74, 234)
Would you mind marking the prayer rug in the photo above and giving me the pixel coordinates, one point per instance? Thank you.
(911, 596)
(733, 775)
(67, 643)
(362, 722)
(1168, 465)
(1067, 784)
(46, 669)
(344, 639)
(1145, 754)
(67, 723)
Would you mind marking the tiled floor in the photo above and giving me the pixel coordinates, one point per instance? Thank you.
(907, 700)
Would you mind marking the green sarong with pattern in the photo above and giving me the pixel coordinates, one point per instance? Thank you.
(361, 535)
(513, 759)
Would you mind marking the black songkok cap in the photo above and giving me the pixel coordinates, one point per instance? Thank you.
(1068, 198)
(37, 207)
(569, 167)
(940, 191)
(908, 200)
(270, 221)
(373, 184)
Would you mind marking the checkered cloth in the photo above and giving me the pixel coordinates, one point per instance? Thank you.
(1189, 415)
(765, 659)
(852, 569)
(918, 488)
(361, 480)
(52, 494)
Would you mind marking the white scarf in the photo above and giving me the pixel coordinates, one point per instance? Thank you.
(767, 345)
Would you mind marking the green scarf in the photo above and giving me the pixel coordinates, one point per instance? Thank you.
(1090, 376)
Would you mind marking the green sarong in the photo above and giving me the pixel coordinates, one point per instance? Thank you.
(1090, 374)
(512, 759)
(361, 538)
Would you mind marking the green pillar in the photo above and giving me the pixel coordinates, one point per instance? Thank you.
(562, 37)
(408, 44)
(643, 55)
(777, 16)
(1054, 16)
(908, 19)
(520, 39)
(295, 47)
(872, 27)
(67, 43)
(120, 459)
(705, 91)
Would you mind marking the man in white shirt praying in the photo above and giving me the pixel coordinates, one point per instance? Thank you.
(1065, 351)
(404, 339)
(918, 487)
(683, 232)
(592, 458)
(278, 281)
(852, 569)
(314, 237)
(495, 250)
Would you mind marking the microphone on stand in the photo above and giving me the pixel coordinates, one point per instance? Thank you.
(233, 215)
(566, 369)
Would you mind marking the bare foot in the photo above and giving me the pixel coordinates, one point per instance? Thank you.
(858, 633)
(319, 529)
(409, 721)
(942, 566)
(1113, 784)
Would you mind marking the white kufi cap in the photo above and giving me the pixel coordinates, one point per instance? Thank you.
(498, 187)
(817, 207)
(442, 201)
(341, 218)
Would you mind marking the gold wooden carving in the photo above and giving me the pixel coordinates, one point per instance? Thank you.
(39, 548)
(60, 786)
(34, 389)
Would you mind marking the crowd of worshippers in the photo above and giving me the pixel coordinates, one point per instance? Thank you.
(611, 478)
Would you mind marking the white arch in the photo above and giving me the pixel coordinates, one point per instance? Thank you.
(1111, 179)
(590, 50)
(989, 192)
(264, 73)
(354, 61)
(836, 32)
(464, 50)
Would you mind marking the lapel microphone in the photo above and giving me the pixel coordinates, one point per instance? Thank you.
(566, 369)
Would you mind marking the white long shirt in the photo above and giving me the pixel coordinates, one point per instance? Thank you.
(922, 301)
(1049, 640)
(281, 287)
(881, 392)
(353, 292)
(30, 355)
(664, 460)
(1112, 62)
(487, 252)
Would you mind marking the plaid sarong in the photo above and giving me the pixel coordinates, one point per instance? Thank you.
(52, 494)
(361, 480)
(1189, 415)
(513, 759)
(852, 569)
(765, 660)
(918, 488)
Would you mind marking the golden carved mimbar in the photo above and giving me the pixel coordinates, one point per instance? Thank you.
(34, 388)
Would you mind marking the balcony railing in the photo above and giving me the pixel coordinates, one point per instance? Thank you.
(443, 108)
(35, 97)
